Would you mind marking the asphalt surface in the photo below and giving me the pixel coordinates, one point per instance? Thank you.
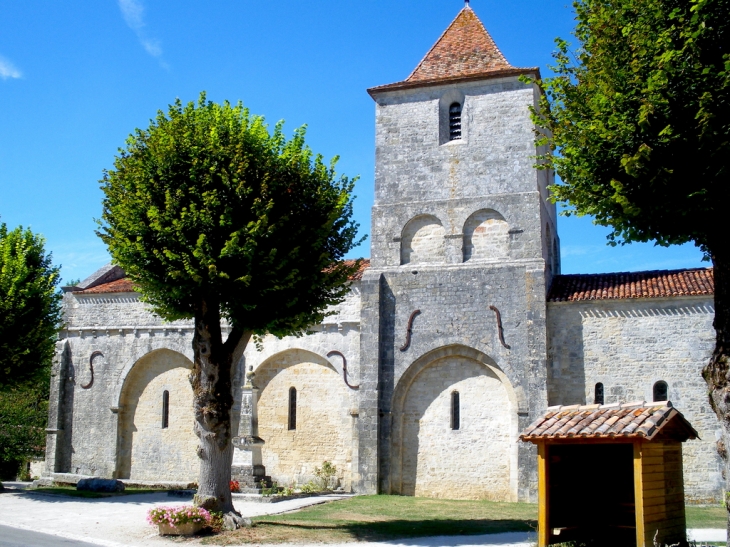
(14, 537)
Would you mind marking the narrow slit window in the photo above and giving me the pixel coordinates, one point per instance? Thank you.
(598, 394)
(455, 122)
(165, 409)
(661, 391)
(455, 411)
(292, 408)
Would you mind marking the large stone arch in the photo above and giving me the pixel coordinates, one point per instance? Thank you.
(324, 424)
(478, 461)
(147, 448)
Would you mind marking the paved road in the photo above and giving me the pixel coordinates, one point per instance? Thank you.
(13, 537)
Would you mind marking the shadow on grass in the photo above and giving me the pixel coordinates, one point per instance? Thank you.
(396, 529)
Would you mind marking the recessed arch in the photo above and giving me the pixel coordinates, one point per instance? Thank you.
(486, 236)
(303, 416)
(422, 240)
(145, 450)
(421, 428)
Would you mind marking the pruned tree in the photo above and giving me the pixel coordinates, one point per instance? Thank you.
(218, 220)
(639, 118)
(30, 307)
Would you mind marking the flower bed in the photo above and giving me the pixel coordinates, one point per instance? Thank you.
(179, 521)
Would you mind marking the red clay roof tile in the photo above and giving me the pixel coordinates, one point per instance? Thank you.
(630, 420)
(654, 284)
(125, 285)
(464, 51)
(120, 285)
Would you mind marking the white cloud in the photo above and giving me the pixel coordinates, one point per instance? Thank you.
(8, 69)
(133, 13)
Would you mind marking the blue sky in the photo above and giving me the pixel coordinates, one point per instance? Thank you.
(77, 77)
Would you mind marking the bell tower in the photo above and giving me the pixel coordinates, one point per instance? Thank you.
(463, 247)
(453, 136)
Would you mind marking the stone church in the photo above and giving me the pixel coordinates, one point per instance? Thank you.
(456, 335)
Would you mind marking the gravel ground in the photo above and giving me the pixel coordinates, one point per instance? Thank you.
(120, 521)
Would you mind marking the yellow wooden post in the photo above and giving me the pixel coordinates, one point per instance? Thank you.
(543, 532)
(639, 495)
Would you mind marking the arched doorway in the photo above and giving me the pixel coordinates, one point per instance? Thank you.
(156, 436)
(304, 417)
(455, 430)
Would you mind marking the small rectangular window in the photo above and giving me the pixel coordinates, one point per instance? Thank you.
(598, 394)
(292, 408)
(165, 409)
(455, 411)
(455, 122)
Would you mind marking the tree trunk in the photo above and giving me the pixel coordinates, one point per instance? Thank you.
(211, 379)
(717, 372)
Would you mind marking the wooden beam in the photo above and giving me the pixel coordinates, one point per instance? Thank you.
(639, 495)
(543, 532)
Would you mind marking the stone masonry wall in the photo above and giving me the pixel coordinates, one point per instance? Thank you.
(84, 427)
(455, 317)
(147, 450)
(324, 420)
(629, 345)
(473, 460)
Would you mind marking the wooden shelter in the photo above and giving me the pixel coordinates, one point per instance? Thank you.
(611, 473)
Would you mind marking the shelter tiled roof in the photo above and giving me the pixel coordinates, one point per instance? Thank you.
(654, 284)
(629, 420)
(126, 285)
(464, 51)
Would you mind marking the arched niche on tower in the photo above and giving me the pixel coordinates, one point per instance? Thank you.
(422, 240)
(486, 236)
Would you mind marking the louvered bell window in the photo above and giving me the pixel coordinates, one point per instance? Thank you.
(455, 122)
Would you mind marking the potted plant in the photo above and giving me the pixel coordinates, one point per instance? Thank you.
(185, 520)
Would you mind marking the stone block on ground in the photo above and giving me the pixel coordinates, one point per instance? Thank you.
(43, 482)
(100, 485)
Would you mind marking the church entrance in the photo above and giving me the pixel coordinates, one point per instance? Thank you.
(454, 433)
(156, 437)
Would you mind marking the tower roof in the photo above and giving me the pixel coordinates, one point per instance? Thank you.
(464, 51)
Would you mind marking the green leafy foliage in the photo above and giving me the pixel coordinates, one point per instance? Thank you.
(23, 418)
(30, 307)
(639, 115)
(327, 475)
(207, 204)
(215, 218)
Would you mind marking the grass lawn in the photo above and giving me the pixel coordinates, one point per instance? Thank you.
(376, 518)
(72, 492)
(711, 516)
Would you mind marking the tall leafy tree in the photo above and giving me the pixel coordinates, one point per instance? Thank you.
(217, 219)
(30, 307)
(639, 118)
(23, 420)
